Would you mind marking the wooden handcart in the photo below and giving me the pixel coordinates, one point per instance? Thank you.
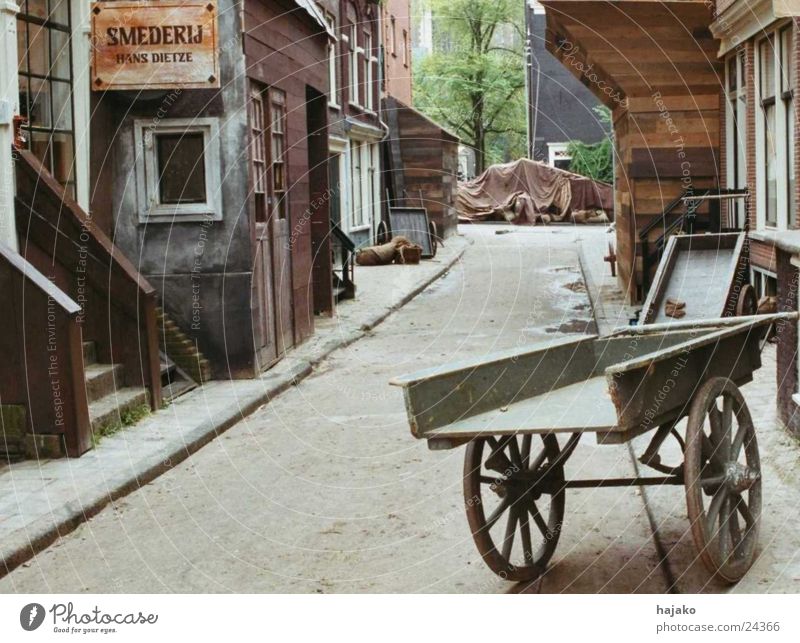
(510, 409)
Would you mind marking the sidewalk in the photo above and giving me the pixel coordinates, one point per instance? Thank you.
(43, 500)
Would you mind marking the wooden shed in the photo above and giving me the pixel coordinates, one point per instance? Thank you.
(422, 164)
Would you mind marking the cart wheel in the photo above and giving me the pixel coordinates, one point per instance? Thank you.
(433, 234)
(382, 234)
(746, 303)
(516, 485)
(722, 467)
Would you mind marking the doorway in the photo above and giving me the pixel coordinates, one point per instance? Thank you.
(272, 310)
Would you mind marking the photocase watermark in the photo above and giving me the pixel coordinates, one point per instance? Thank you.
(571, 56)
(65, 619)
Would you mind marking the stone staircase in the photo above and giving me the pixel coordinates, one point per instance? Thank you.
(182, 350)
(111, 405)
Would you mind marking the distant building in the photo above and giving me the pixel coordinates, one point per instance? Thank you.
(396, 16)
(560, 107)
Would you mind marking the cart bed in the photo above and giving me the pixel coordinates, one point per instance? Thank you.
(706, 271)
(617, 386)
(582, 406)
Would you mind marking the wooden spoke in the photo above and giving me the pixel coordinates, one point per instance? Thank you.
(715, 507)
(719, 431)
(516, 456)
(514, 505)
(741, 505)
(738, 442)
(537, 518)
(733, 523)
(525, 531)
(505, 503)
(491, 481)
(511, 528)
(724, 444)
(526, 449)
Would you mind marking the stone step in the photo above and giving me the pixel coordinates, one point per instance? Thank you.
(89, 352)
(102, 380)
(109, 412)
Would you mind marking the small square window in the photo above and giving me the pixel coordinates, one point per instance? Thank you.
(181, 168)
(178, 169)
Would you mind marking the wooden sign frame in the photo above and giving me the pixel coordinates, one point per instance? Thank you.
(150, 44)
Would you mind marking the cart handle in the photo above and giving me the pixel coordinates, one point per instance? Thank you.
(647, 329)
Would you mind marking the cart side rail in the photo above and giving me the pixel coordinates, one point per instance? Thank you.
(439, 396)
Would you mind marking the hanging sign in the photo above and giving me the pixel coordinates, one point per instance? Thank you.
(154, 45)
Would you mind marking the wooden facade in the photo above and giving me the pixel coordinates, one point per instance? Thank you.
(243, 279)
(286, 52)
(422, 164)
(655, 65)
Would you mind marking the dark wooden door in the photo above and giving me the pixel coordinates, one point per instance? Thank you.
(279, 220)
(262, 300)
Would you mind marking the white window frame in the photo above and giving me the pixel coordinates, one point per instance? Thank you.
(406, 41)
(355, 52)
(736, 131)
(393, 36)
(150, 210)
(782, 146)
(333, 65)
(371, 64)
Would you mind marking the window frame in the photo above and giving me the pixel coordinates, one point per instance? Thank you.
(782, 147)
(354, 58)
(147, 174)
(736, 130)
(333, 63)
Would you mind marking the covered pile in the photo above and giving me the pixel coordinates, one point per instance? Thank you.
(526, 191)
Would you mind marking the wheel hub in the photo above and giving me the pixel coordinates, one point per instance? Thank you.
(739, 477)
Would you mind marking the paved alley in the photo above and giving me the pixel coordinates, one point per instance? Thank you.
(325, 490)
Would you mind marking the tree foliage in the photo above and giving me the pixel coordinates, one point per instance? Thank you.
(473, 81)
(594, 160)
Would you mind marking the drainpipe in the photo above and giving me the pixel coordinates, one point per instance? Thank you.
(9, 106)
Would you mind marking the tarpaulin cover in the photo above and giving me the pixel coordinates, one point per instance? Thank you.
(524, 190)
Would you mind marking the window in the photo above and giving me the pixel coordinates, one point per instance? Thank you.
(369, 75)
(354, 63)
(393, 36)
(178, 169)
(736, 134)
(769, 142)
(333, 63)
(356, 187)
(45, 85)
(405, 48)
(181, 178)
(278, 150)
(787, 98)
(258, 153)
(364, 185)
(776, 205)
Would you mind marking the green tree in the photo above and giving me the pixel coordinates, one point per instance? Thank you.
(473, 81)
(594, 160)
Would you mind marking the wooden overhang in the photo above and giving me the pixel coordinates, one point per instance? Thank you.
(633, 49)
